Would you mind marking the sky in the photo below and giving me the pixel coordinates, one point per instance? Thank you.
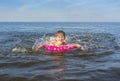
(60, 10)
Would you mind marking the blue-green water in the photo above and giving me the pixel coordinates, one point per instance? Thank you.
(101, 62)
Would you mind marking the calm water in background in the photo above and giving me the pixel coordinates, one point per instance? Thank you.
(101, 62)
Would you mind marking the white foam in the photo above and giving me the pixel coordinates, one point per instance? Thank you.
(19, 49)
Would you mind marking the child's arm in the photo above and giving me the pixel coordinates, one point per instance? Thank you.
(78, 46)
(36, 48)
(81, 47)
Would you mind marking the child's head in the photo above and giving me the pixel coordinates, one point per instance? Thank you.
(60, 36)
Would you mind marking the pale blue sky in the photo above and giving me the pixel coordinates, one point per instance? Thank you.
(60, 10)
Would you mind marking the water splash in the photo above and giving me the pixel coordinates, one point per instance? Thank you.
(19, 49)
(91, 41)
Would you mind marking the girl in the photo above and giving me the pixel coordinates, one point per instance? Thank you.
(59, 44)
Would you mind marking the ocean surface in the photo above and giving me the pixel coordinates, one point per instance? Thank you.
(100, 61)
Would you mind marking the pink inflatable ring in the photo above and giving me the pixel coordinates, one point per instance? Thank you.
(63, 48)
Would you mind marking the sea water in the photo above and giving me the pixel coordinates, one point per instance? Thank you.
(100, 62)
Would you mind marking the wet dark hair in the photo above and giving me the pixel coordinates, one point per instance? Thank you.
(60, 32)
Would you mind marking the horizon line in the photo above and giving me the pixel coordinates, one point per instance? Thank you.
(61, 21)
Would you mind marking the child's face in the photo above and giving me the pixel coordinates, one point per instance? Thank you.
(60, 38)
